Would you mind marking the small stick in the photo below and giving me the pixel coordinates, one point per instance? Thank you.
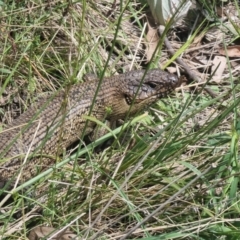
(190, 73)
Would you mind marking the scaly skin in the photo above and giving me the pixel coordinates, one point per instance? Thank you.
(51, 125)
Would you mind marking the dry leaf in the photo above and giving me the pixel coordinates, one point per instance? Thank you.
(152, 41)
(171, 70)
(220, 12)
(231, 51)
(197, 41)
(41, 231)
(218, 67)
(163, 11)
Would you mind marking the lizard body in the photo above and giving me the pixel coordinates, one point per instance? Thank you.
(52, 124)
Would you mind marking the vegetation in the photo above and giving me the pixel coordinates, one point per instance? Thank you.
(173, 173)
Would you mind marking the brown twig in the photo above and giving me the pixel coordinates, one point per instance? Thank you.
(189, 72)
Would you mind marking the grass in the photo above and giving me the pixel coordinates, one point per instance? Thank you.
(171, 174)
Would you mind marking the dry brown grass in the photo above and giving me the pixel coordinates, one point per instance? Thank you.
(184, 164)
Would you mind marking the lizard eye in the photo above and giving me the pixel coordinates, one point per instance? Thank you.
(151, 84)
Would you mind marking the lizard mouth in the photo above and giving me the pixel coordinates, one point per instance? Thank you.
(130, 101)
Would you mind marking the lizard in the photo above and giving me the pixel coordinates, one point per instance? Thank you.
(50, 125)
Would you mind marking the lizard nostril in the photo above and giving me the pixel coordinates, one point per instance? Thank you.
(174, 80)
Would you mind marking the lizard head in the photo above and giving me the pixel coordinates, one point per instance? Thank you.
(139, 89)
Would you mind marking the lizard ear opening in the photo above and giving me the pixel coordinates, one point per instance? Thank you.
(128, 99)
